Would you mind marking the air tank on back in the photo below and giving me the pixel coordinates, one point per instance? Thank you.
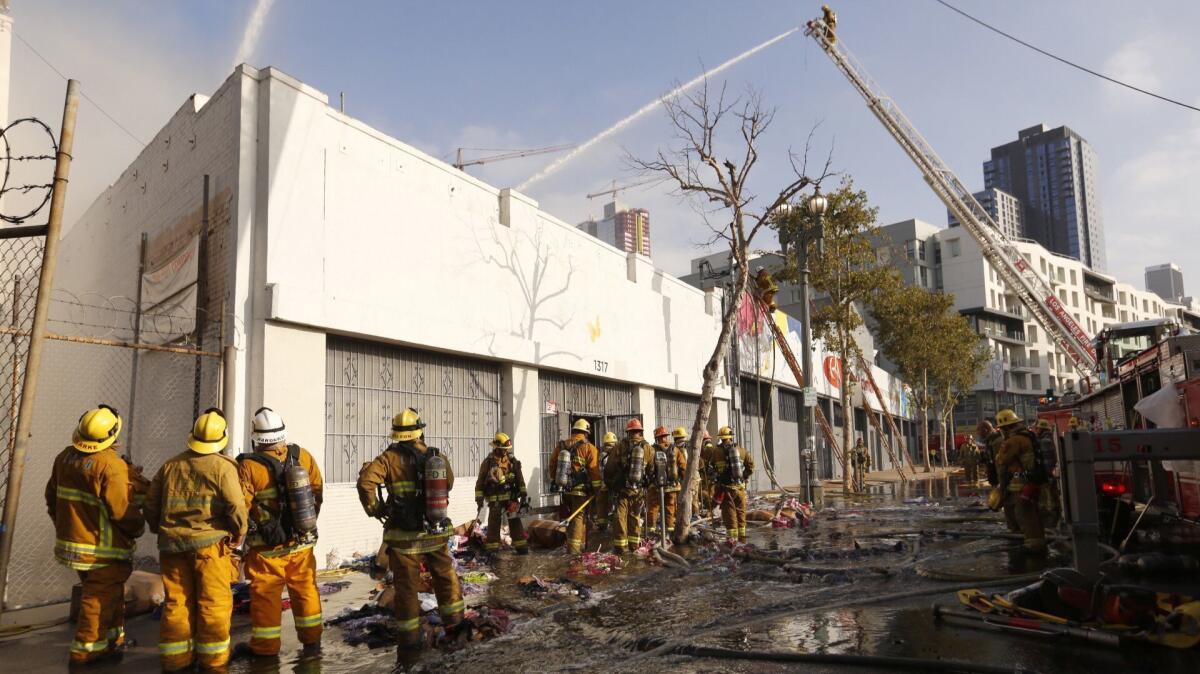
(733, 463)
(637, 466)
(437, 492)
(301, 503)
(562, 472)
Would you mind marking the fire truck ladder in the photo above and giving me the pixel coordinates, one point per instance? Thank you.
(797, 372)
(865, 367)
(997, 249)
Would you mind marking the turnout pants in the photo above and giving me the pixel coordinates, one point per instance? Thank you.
(733, 513)
(406, 574)
(971, 472)
(576, 528)
(269, 572)
(100, 628)
(1029, 519)
(653, 509)
(627, 522)
(496, 516)
(197, 607)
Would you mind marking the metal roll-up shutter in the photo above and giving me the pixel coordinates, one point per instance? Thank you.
(367, 383)
(675, 409)
(606, 404)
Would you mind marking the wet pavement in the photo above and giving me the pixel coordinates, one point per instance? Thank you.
(859, 581)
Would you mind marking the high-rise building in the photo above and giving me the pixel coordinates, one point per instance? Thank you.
(1004, 208)
(1166, 281)
(626, 228)
(1052, 172)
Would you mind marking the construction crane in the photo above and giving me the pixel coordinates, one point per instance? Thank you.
(621, 188)
(1035, 293)
(460, 164)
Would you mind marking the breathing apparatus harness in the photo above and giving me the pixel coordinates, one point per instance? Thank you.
(425, 508)
(297, 515)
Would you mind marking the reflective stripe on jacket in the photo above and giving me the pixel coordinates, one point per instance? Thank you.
(713, 457)
(262, 495)
(196, 500)
(616, 470)
(90, 498)
(397, 470)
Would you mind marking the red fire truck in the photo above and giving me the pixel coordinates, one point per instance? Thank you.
(1140, 359)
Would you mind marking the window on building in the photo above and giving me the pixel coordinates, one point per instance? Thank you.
(921, 250)
(937, 253)
(1072, 277)
(1062, 278)
(1035, 382)
(955, 247)
(1034, 359)
(1074, 299)
(1042, 263)
(1145, 305)
(992, 296)
(924, 277)
(1033, 333)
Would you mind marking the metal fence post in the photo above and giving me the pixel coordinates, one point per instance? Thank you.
(201, 299)
(137, 339)
(37, 334)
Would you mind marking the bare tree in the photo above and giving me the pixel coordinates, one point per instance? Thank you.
(719, 187)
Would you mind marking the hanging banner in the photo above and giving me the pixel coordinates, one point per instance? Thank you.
(169, 294)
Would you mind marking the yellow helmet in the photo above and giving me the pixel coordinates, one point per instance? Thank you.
(582, 425)
(680, 433)
(1073, 423)
(610, 438)
(97, 430)
(1043, 424)
(209, 432)
(725, 433)
(407, 426)
(502, 440)
(995, 499)
(1007, 417)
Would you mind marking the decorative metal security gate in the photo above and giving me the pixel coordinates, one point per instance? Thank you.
(367, 383)
(675, 409)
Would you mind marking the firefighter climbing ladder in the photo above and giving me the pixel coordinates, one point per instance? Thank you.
(865, 367)
(1018, 275)
(797, 372)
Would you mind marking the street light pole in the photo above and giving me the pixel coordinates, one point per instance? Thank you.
(816, 206)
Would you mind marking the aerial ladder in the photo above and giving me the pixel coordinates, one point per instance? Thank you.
(1020, 277)
(460, 163)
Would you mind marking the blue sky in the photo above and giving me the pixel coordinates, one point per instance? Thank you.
(529, 74)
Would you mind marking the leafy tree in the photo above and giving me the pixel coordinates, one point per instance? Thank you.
(845, 276)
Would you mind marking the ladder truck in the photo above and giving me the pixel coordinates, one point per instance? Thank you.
(1034, 292)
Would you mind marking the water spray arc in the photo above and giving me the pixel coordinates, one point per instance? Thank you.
(646, 109)
(254, 27)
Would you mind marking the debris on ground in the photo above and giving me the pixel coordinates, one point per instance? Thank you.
(594, 564)
(332, 586)
(533, 586)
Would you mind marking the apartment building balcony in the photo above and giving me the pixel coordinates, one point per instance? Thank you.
(1014, 337)
(1023, 365)
(1099, 295)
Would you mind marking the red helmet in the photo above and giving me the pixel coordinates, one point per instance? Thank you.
(660, 432)
(634, 424)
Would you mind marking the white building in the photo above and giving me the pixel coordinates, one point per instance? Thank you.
(365, 276)
(1004, 208)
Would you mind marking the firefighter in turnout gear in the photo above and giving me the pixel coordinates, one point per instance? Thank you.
(625, 475)
(706, 483)
(604, 499)
(418, 480)
(90, 499)
(1020, 478)
(681, 438)
(197, 508)
(969, 458)
(502, 486)
(279, 554)
(1050, 501)
(992, 439)
(663, 495)
(860, 461)
(730, 466)
(576, 465)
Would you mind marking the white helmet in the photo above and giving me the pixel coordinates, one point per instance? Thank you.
(268, 427)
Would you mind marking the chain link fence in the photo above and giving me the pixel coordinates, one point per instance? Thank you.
(90, 357)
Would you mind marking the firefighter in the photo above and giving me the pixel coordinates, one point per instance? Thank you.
(89, 498)
(604, 500)
(860, 460)
(681, 438)
(969, 458)
(730, 466)
(663, 494)
(576, 466)
(1050, 503)
(415, 530)
(706, 483)
(830, 19)
(279, 556)
(625, 474)
(1017, 464)
(502, 485)
(197, 508)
